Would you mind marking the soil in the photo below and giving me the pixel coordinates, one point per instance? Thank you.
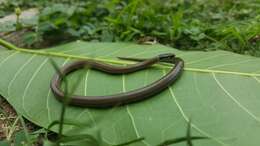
(8, 116)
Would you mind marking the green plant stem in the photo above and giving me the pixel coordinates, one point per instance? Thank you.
(12, 129)
(163, 65)
(130, 142)
(63, 109)
(18, 24)
(24, 129)
(8, 45)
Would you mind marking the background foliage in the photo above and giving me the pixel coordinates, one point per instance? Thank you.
(184, 24)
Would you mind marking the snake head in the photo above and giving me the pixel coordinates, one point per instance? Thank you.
(167, 57)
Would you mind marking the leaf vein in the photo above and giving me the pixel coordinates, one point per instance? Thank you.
(187, 119)
(130, 114)
(258, 80)
(206, 58)
(48, 97)
(17, 73)
(85, 93)
(7, 58)
(29, 83)
(234, 63)
(234, 99)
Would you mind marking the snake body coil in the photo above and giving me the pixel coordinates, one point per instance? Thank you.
(120, 98)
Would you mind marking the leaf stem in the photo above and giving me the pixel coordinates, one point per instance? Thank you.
(162, 65)
(8, 45)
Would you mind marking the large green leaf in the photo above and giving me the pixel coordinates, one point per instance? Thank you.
(219, 91)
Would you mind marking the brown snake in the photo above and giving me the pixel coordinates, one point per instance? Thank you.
(119, 98)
